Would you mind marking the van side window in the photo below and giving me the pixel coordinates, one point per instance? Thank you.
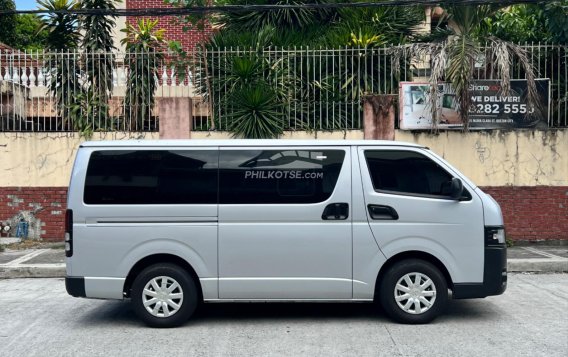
(278, 176)
(152, 177)
(406, 172)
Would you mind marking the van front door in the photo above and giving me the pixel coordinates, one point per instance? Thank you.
(285, 223)
(410, 208)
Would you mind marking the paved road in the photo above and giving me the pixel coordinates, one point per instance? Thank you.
(37, 318)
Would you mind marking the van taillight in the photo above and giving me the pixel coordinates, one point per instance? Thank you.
(68, 233)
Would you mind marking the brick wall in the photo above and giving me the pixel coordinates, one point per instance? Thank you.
(531, 213)
(43, 208)
(174, 32)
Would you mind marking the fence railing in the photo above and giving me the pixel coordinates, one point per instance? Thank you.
(312, 89)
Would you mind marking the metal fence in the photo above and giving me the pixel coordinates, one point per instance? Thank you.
(312, 89)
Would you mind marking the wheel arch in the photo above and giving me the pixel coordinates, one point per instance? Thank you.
(413, 254)
(157, 259)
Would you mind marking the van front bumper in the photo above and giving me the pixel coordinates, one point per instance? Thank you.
(494, 276)
(75, 286)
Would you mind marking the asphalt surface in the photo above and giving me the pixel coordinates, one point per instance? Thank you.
(50, 263)
(39, 319)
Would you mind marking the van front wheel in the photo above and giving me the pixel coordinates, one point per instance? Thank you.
(413, 291)
(164, 295)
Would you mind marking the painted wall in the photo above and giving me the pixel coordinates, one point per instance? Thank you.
(515, 158)
(525, 171)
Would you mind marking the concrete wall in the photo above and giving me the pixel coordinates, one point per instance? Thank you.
(45, 159)
(502, 158)
(515, 158)
(526, 172)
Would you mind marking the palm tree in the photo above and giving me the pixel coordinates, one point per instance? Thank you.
(454, 54)
(144, 44)
(98, 60)
(322, 27)
(365, 28)
(63, 37)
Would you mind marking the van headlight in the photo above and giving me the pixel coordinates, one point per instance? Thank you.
(494, 235)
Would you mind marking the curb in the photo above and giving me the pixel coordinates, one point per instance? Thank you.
(33, 271)
(544, 265)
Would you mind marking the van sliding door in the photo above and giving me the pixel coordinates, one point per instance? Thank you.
(285, 223)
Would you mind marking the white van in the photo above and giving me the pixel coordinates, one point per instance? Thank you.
(170, 224)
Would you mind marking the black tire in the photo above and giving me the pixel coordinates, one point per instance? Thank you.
(411, 310)
(164, 315)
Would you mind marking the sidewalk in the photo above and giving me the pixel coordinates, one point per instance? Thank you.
(50, 263)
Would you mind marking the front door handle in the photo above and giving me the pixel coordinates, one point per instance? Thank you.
(383, 213)
(335, 212)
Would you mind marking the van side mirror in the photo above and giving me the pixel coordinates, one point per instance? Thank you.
(456, 188)
(453, 188)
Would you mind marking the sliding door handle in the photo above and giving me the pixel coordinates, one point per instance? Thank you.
(335, 212)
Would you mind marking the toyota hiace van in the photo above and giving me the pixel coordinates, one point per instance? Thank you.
(170, 224)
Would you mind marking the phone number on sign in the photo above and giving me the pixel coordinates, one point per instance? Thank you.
(505, 108)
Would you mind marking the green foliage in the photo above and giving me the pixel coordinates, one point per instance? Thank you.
(365, 40)
(29, 33)
(283, 19)
(510, 243)
(456, 51)
(306, 27)
(256, 113)
(244, 88)
(196, 19)
(87, 111)
(297, 92)
(518, 23)
(392, 24)
(81, 83)
(97, 29)
(63, 29)
(98, 61)
(63, 36)
(8, 23)
(144, 45)
(556, 17)
(530, 23)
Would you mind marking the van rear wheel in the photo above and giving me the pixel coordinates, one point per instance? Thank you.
(413, 291)
(164, 295)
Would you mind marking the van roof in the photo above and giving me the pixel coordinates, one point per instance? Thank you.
(243, 142)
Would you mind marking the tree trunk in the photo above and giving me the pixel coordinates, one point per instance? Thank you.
(378, 116)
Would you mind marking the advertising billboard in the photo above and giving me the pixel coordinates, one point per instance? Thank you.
(490, 108)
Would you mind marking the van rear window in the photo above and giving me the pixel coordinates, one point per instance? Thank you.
(152, 177)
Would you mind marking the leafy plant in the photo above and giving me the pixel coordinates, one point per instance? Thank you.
(8, 23)
(454, 55)
(233, 79)
(556, 19)
(98, 60)
(144, 45)
(29, 35)
(293, 76)
(81, 82)
(287, 19)
(63, 28)
(530, 23)
(63, 36)
(256, 113)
